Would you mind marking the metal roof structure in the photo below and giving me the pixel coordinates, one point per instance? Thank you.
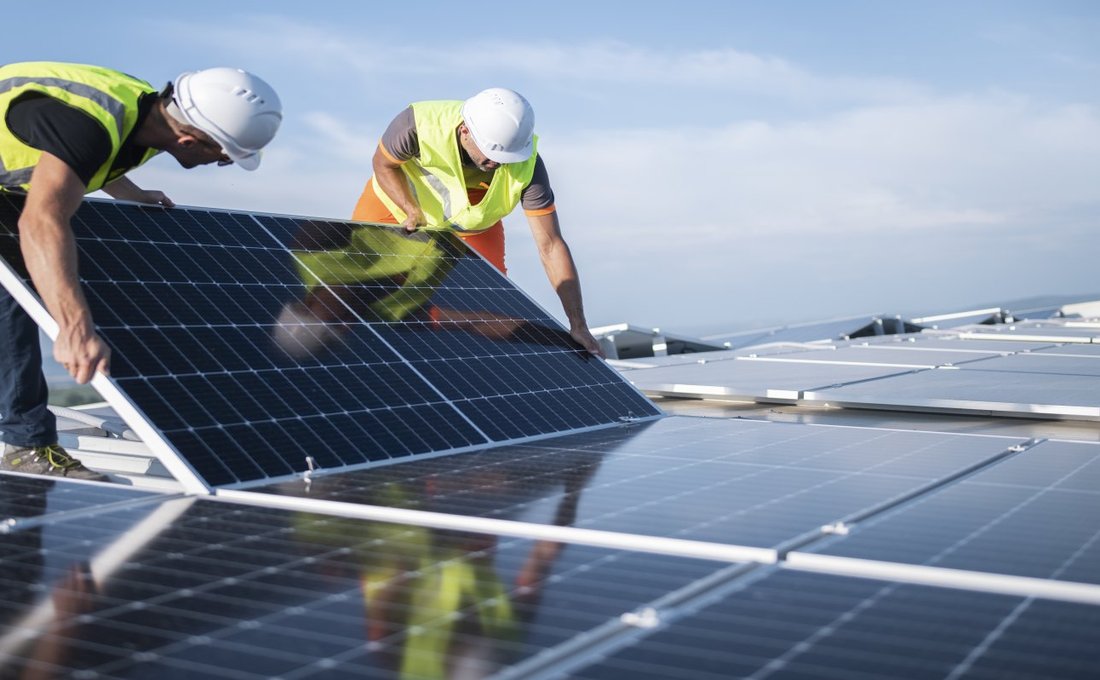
(926, 529)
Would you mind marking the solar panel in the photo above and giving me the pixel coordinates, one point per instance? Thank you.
(1036, 514)
(1045, 362)
(259, 346)
(724, 481)
(1073, 350)
(792, 625)
(977, 391)
(955, 343)
(1033, 331)
(222, 590)
(744, 378)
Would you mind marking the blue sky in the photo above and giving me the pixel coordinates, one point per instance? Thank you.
(717, 165)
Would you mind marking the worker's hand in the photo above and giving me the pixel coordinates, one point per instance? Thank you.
(82, 352)
(584, 338)
(154, 197)
(414, 221)
(75, 593)
(125, 190)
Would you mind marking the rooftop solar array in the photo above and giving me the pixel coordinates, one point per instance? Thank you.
(1003, 551)
(557, 530)
(261, 346)
(966, 372)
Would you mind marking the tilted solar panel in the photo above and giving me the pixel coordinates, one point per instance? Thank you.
(259, 346)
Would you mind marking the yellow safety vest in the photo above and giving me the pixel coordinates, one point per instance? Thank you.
(108, 96)
(437, 181)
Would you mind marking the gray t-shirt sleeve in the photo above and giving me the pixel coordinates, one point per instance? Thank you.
(400, 140)
(538, 195)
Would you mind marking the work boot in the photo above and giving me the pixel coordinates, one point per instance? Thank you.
(46, 460)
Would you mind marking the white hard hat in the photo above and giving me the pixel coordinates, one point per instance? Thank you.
(239, 110)
(502, 123)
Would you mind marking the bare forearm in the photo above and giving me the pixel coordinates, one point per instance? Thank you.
(392, 181)
(49, 251)
(123, 189)
(557, 260)
(562, 273)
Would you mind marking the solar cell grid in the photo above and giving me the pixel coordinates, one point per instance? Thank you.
(794, 625)
(1035, 514)
(726, 481)
(228, 591)
(255, 342)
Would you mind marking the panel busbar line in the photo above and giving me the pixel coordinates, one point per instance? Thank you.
(259, 346)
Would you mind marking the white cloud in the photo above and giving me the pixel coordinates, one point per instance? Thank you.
(950, 163)
(351, 141)
(335, 52)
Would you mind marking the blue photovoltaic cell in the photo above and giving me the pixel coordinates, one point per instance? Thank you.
(1036, 514)
(801, 626)
(727, 481)
(220, 590)
(253, 343)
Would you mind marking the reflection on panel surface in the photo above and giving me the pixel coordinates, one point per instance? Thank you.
(253, 343)
(793, 625)
(23, 497)
(213, 589)
(1036, 514)
(728, 481)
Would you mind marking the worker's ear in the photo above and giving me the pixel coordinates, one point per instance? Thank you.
(186, 141)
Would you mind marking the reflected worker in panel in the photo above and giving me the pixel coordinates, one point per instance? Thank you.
(447, 603)
(28, 589)
(71, 129)
(462, 166)
(375, 273)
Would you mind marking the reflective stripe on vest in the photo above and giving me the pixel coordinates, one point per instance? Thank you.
(436, 178)
(110, 97)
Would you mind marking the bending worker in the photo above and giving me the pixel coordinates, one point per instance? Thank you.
(464, 166)
(68, 130)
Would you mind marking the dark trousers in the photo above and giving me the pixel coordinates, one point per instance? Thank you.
(24, 418)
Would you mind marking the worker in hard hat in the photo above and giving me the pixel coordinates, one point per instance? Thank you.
(463, 166)
(67, 130)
